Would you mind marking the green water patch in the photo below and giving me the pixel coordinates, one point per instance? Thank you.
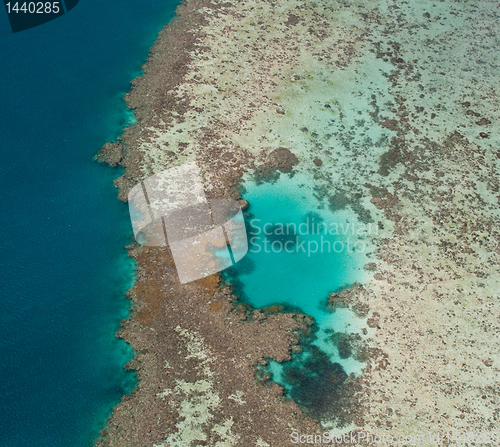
(301, 251)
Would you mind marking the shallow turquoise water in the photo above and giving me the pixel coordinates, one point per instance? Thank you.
(330, 247)
(300, 251)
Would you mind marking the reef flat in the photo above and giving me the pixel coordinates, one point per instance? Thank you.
(392, 109)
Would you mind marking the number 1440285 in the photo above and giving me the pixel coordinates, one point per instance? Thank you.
(33, 7)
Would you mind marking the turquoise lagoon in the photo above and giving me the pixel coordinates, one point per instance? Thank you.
(300, 250)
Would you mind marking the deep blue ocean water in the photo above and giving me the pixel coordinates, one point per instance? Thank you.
(62, 263)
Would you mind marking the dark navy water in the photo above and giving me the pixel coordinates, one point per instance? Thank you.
(62, 263)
